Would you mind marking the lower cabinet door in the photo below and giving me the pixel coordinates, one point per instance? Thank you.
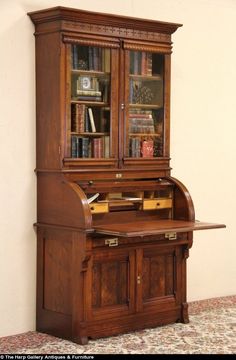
(158, 278)
(111, 280)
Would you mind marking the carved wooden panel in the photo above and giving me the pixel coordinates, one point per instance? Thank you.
(57, 279)
(120, 32)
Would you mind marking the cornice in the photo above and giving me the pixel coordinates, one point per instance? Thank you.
(70, 14)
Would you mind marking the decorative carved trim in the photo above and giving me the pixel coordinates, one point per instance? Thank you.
(116, 31)
(85, 263)
(92, 42)
(164, 48)
(186, 252)
(125, 23)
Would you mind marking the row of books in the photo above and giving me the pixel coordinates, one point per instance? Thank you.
(83, 119)
(90, 58)
(140, 63)
(141, 123)
(141, 92)
(147, 148)
(85, 147)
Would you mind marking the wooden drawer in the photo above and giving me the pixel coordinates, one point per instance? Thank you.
(151, 204)
(98, 208)
(115, 242)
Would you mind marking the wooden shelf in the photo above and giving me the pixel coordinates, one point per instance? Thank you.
(90, 73)
(145, 106)
(146, 77)
(91, 133)
(145, 228)
(142, 134)
(94, 103)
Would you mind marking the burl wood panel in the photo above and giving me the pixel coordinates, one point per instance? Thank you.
(158, 275)
(110, 282)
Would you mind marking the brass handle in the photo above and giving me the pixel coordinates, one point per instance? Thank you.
(112, 242)
(138, 280)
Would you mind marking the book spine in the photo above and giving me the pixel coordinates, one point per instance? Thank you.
(97, 148)
(73, 117)
(74, 146)
(89, 98)
(83, 147)
(149, 64)
(89, 92)
(90, 58)
(91, 118)
(75, 57)
(106, 147)
(147, 148)
(137, 147)
(107, 60)
(81, 120)
(86, 121)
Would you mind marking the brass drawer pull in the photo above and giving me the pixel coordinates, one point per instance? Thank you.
(112, 242)
(171, 235)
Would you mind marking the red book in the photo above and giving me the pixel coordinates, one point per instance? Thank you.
(97, 148)
(147, 148)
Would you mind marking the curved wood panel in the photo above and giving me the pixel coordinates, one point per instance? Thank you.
(62, 202)
(183, 208)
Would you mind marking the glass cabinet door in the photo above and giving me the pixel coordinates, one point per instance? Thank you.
(89, 128)
(144, 123)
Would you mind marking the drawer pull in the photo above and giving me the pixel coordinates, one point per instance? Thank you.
(112, 242)
(171, 235)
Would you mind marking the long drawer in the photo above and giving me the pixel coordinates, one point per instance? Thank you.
(113, 241)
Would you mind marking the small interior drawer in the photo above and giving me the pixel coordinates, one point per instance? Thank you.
(98, 208)
(151, 204)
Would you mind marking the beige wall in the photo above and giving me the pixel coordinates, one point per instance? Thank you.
(203, 142)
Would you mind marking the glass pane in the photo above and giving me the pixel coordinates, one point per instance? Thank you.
(146, 105)
(90, 102)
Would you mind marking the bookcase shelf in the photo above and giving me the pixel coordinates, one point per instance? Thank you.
(143, 134)
(146, 77)
(90, 73)
(91, 103)
(145, 106)
(90, 133)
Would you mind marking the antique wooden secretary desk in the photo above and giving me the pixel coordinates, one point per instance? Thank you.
(114, 228)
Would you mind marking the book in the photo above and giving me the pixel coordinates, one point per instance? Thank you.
(79, 146)
(147, 148)
(106, 147)
(97, 148)
(91, 118)
(135, 147)
(106, 60)
(74, 146)
(89, 98)
(83, 147)
(141, 124)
